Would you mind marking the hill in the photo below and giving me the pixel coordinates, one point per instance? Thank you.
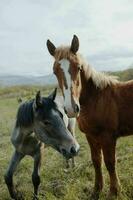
(124, 75)
(11, 80)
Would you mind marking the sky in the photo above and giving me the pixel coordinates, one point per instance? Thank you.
(104, 29)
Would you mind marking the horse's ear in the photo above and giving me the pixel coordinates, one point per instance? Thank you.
(38, 100)
(74, 44)
(51, 47)
(53, 94)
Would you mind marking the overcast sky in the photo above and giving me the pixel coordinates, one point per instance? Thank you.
(105, 30)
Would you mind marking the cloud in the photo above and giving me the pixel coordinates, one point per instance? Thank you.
(113, 59)
(104, 28)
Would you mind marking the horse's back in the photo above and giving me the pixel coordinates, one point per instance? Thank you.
(125, 107)
(124, 94)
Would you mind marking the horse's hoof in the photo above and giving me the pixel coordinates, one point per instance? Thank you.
(114, 192)
(18, 196)
(67, 165)
(112, 196)
(35, 197)
(95, 195)
(73, 165)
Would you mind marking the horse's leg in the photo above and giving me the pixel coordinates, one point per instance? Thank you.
(36, 173)
(16, 158)
(71, 128)
(67, 163)
(108, 147)
(73, 160)
(97, 161)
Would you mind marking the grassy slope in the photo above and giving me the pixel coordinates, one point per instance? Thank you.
(74, 184)
(124, 75)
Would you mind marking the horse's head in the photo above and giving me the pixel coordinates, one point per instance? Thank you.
(67, 67)
(50, 127)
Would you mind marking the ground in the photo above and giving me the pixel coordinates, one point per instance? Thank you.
(57, 182)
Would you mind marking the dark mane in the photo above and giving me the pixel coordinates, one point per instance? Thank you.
(25, 114)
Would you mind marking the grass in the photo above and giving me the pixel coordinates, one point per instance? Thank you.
(56, 182)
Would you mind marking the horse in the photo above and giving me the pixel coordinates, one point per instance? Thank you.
(39, 121)
(19, 100)
(101, 103)
(71, 126)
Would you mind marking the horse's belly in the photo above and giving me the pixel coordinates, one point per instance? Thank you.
(125, 131)
(29, 146)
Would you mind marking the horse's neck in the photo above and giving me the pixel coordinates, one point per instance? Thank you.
(20, 133)
(88, 88)
(26, 131)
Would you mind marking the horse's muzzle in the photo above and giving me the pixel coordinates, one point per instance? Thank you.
(73, 151)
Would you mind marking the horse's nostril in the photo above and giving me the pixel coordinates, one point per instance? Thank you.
(76, 108)
(73, 151)
(65, 110)
(64, 152)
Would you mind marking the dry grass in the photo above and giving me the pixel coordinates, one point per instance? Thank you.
(57, 183)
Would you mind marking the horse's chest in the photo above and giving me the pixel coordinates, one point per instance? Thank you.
(85, 121)
(93, 123)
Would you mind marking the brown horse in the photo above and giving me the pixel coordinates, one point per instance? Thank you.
(103, 107)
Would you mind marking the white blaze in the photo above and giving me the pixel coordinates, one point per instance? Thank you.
(60, 104)
(65, 64)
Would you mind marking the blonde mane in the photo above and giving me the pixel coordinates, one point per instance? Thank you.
(100, 79)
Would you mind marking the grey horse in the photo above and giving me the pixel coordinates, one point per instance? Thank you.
(39, 121)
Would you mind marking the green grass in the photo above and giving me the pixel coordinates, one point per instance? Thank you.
(57, 183)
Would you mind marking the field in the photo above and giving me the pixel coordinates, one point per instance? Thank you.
(57, 182)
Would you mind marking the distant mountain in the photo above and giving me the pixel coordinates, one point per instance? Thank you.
(11, 80)
(124, 75)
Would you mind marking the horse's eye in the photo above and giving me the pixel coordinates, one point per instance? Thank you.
(46, 122)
